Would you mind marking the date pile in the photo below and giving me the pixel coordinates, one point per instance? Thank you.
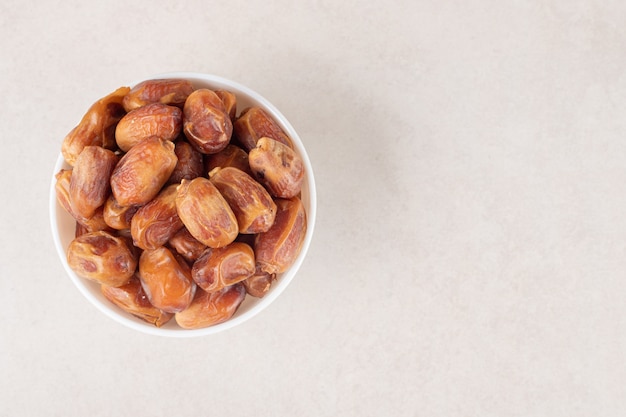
(182, 207)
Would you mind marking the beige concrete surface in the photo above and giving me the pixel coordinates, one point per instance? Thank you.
(469, 251)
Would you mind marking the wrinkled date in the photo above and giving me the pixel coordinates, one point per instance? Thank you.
(102, 257)
(278, 248)
(154, 119)
(132, 298)
(173, 92)
(251, 203)
(186, 245)
(97, 127)
(205, 213)
(207, 124)
(221, 267)
(211, 308)
(156, 222)
(230, 156)
(142, 171)
(253, 124)
(166, 280)
(259, 283)
(182, 207)
(190, 163)
(90, 180)
(116, 216)
(277, 167)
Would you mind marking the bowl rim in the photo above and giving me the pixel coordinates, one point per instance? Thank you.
(279, 286)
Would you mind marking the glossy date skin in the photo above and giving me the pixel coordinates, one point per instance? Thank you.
(131, 298)
(155, 119)
(222, 267)
(206, 123)
(205, 213)
(172, 92)
(62, 189)
(190, 163)
(259, 283)
(277, 167)
(209, 309)
(97, 127)
(89, 183)
(118, 217)
(186, 245)
(166, 280)
(251, 203)
(254, 123)
(230, 102)
(142, 171)
(102, 257)
(156, 222)
(277, 249)
(230, 156)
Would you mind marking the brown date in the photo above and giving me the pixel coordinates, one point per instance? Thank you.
(118, 217)
(276, 249)
(259, 283)
(95, 223)
(205, 213)
(230, 102)
(221, 267)
(253, 124)
(206, 124)
(132, 298)
(277, 167)
(97, 126)
(142, 171)
(157, 221)
(186, 245)
(230, 156)
(166, 280)
(208, 309)
(102, 257)
(62, 188)
(89, 183)
(251, 203)
(190, 163)
(173, 92)
(154, 119)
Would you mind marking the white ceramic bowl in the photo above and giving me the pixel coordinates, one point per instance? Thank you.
(63, 224)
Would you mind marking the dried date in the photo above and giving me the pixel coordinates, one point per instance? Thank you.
(209, 309)
(254, 123)
(190, 163)
(89, 183)
(206, 124)
(97, 126)
(221, 267)
(142, 171)
(172, 92)
(132, 298)
(205, 213)
(166, 280)
(154, 223)
(230, 156)
(277, 167)
(277, 249)
(102, 257)
(251, 203)
(154, 119)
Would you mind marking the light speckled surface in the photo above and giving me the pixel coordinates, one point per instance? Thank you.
(468, 258)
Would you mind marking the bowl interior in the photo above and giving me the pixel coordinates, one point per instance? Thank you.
(63, 224)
